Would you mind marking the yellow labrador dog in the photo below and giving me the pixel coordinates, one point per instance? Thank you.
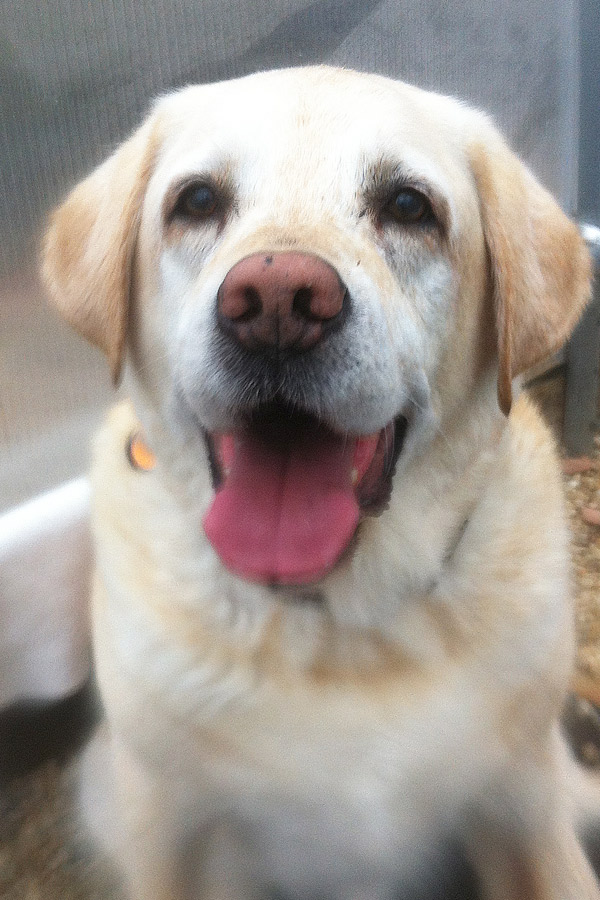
(331, 614)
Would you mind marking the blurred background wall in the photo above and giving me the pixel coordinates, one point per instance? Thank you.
(77, 75)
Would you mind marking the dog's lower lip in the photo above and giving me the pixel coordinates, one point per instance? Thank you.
(374, 493)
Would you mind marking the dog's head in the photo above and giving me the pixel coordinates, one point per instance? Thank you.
(313, 270)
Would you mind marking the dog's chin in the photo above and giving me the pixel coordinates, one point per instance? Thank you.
(290, 491)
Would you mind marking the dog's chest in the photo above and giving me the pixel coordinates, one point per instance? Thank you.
(354, 772)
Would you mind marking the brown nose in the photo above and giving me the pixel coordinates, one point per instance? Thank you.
(281, 301)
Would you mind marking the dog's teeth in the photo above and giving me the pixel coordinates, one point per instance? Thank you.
(354, 476)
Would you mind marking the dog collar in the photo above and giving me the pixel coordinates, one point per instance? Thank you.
(139, 454)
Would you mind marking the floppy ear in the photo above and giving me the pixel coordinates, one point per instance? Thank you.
(89, 245)
(540, 266)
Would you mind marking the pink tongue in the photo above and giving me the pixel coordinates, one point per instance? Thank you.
(287, 509)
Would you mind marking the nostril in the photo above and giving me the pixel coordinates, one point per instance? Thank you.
(239, 303)
(320, 303)
(301, 304)
(253, 305)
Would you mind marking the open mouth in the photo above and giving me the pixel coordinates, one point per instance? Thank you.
(290, 492)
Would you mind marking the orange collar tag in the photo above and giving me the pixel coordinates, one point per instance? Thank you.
(139, 454)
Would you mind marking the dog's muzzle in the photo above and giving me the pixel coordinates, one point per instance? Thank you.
(290, 489)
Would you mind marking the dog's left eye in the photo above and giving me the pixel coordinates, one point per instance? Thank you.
(410, 207)
(197, 201)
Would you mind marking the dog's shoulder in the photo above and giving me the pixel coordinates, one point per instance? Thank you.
(511, 572)
(533, 442)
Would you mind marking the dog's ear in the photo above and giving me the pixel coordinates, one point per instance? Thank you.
(89, 246)
(540, 266)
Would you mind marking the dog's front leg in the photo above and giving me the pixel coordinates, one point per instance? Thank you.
(525, 845)
(547, 866)
(131, 817)
(151, 848)
(175, 845)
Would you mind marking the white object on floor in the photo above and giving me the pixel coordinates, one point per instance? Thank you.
(45, 576)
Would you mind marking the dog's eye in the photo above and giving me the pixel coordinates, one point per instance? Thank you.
(410, 207)
(197, 201)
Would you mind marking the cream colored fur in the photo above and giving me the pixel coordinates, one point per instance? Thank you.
(255, 737)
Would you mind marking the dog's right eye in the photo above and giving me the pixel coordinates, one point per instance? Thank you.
(197, 201)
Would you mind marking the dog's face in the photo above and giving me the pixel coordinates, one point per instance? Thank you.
(326, 190)
(312, 271)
